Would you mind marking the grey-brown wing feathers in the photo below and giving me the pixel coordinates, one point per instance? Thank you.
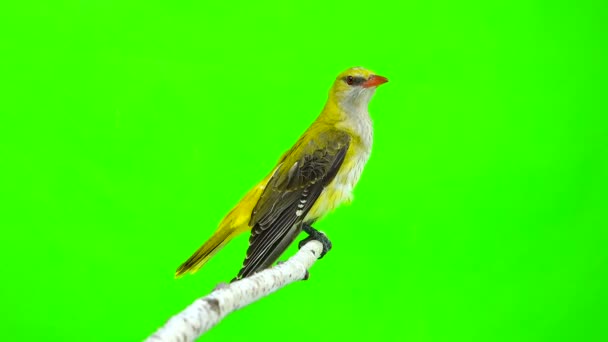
(291, 192)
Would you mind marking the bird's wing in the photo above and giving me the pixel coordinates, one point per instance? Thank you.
(293, 189)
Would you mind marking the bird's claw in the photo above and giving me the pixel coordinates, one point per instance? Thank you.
(318, 236)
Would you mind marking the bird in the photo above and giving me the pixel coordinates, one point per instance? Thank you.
(310, 180)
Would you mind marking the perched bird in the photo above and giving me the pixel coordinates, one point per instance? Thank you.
(311, 179)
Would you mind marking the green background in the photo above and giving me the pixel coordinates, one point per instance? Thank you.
(128, 129)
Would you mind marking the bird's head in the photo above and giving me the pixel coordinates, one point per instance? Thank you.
(354, 87)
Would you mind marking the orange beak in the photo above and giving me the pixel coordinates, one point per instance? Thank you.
(374, 81)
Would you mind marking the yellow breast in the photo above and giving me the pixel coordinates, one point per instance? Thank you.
(341, 188)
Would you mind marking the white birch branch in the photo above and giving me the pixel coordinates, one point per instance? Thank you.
(207, 311)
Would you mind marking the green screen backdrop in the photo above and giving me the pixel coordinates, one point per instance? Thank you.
(128, 129)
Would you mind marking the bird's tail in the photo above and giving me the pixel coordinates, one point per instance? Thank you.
(235, 223)
(216, 242)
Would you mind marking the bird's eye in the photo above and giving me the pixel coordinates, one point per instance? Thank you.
(350, 80)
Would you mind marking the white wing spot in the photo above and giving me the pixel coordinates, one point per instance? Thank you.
(299, 212)
(302, 201)
(300, 206)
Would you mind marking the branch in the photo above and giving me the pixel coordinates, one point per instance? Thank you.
(206, 312)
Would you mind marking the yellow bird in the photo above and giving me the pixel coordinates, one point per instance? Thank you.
(311, 179)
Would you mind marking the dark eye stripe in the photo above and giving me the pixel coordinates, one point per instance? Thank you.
(357, 80)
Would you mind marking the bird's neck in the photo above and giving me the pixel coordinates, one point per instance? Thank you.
(350, 116)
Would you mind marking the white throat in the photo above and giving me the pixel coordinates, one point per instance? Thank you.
(357, 100)
(357, 120)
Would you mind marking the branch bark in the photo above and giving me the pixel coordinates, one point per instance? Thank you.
(207, 311)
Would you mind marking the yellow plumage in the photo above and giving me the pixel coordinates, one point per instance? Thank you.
(344, 124)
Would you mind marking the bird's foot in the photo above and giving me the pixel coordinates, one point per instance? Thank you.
(314, 234)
